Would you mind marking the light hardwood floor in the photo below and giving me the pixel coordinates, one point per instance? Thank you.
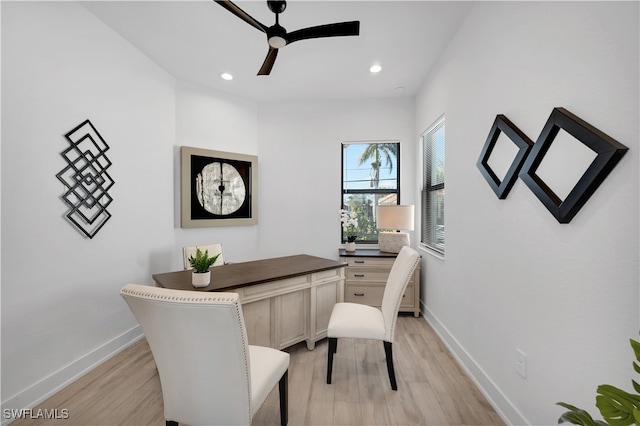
(432, 389)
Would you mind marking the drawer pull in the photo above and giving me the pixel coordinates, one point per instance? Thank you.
(358, 275)
(358, 261)
(358, 294)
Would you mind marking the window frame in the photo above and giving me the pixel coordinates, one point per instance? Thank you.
(372, 191)
(429, 232)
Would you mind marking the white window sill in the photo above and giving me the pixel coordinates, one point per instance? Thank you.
(432, 252)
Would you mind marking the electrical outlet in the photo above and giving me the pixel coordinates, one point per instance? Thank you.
(521, 363)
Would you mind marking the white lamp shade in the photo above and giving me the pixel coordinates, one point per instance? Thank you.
(395, 217)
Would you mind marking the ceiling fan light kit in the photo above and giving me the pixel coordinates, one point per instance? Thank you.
(277, 36)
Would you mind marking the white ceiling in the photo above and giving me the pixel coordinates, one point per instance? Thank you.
(195, 41)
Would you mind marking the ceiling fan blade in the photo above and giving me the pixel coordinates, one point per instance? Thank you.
(241, 14)
(268, 62)
(351, 28)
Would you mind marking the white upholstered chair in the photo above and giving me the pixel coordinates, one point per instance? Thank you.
(213, 249)
(209, 374)
(353, 320)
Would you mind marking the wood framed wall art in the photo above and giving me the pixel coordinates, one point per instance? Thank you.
(218, 188)
(608, 153)
(502, 125)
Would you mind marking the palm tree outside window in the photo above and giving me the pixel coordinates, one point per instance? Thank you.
(370, 177)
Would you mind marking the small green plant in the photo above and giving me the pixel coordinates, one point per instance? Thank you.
(202, 262)
(617, 407)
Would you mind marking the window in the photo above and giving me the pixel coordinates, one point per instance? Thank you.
(370, 177)
(433, 143)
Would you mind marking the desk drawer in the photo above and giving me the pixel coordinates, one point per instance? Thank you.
(372, 295)
(275, 288)
(365, 261)
(367, 295)
(408, 300)
(367, 275)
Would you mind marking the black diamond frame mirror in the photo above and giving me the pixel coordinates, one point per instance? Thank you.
(503, 125)
(608, 153)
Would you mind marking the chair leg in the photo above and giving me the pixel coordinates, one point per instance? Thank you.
(284, 398)
(171, 423)
(392, 374)
(333, 347)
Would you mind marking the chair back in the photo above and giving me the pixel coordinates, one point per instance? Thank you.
(401, 272)
(199, 343)
(213, 249)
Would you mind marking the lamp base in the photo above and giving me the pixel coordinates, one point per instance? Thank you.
(392, 242)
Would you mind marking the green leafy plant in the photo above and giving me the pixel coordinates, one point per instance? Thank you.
(202, 262)
(617, 407)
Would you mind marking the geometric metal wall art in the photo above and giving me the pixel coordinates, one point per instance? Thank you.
(503, 125)
(608, 152)
(86, 179)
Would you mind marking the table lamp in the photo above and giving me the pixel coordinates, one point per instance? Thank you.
(398, 218)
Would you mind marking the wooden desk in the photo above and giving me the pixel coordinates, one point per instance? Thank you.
(366, 278)
(285, 300)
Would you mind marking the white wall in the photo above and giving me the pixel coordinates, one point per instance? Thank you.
(60, 65)
(567, 295)
(61, 311)
(300, 156)
(212, 120)
(513, 277)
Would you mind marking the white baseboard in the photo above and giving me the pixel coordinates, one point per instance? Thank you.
(45, 388)
(505, 409)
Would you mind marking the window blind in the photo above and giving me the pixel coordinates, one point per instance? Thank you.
(433, 148)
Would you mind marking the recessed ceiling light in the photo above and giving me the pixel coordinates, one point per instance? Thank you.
(226, 76)
(376, 68)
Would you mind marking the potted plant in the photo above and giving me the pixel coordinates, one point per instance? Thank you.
(618, 407)
(201, 275)
(349, 224)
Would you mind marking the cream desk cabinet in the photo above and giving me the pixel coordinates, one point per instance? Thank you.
(285, 300)
(366, 276)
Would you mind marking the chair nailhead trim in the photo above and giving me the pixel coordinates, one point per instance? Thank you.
(209, 297)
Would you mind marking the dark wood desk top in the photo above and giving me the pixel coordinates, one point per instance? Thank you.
(237, 275)
(366, 253)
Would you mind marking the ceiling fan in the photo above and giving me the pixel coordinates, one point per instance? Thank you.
(278, 37)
